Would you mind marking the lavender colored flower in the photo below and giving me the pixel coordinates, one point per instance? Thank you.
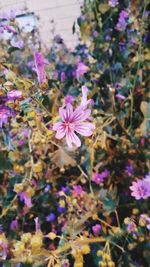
(73, 121)
(14, 225)
(122, 21)
(96, 229)
(62, 76)
(113, 3)
(14, 94)
(40, 70)
(140, 189)
(81, 69)
(51, 217)
(99, 178)
(4, 115)
(129, 169)
(69, 99)
(77, 190)
(147, 177)
(27, 200)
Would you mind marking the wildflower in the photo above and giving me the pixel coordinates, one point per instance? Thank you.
(69, 99)
(113, 3)
(27, 200)
(96, 229)
(122, 22)
(81, 69)
(147, 177)
(140, 189)
(4, 115)
(99, 178)
(84, 101)
(14, 225)
(40, 70)
(77, 190)
(14, 94)
(63, 76)
(51, 217)
(73, 121)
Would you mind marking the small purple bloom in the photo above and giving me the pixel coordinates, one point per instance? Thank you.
(113, 3)
(51, 217)
(69, 99)
(14, 94)
(122, 21)
(62, 76)
(96, 229)
(99, 178)
(81, 69)
(40, 70)
(27, 200)
(14, 225)
(140, 189)
(4, 115)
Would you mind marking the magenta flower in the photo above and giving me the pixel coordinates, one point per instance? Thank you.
(14, 94)
(73, 121)
(113, 3)
(77, 190)
(140, 189)
(69, 99)
(4, 115)
(99, 178)
(122, 21)
(81, 69)
(96, 229)
(84, 101)
(40, 70)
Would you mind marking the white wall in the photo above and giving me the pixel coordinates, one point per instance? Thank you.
(62, 12)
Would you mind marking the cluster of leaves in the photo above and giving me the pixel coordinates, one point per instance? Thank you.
(53, 210)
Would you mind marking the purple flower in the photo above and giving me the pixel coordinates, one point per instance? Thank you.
(77, 190)
(140, 189)
(147, 177)
(113, 3)
(122, 21)
(27, 200)
(96, 229)
(40, 70)
(14, 94)
(51, 217)
(73, 121)
(81, 69)
(84, 101)
(63, 76)
(69, 99)
(129, 169)
(4, 115)
(14, 225)
(99, 178)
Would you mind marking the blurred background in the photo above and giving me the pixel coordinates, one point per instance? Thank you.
(50, 16)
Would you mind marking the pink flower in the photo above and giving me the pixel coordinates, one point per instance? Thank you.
(40, 70)
(84, 101)
(73, 121)
(77, 190)
(99, 178)
(4, 115)
(69, 99)
(81, 69)
(140, 189)
(14, 94)
(96, 229)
